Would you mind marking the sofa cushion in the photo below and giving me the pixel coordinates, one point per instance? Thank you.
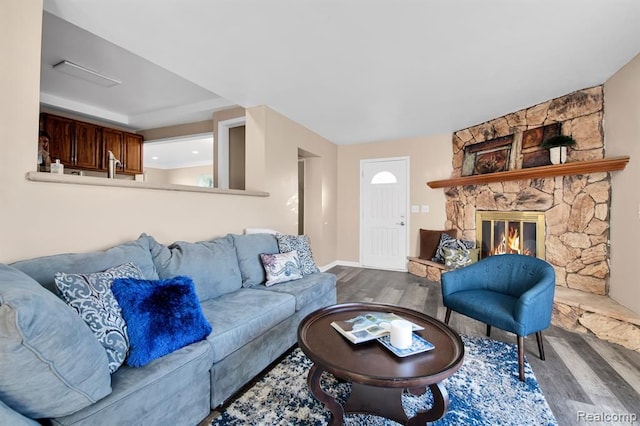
(299, 243)
(43, 269)
(429, 241)
(239, 317)
(212, 265)
(281, 267)
(307, 289)
(91, 297)
(50, 362)
(490, 307)
(249, 248)
(172, 390)
(162, 316)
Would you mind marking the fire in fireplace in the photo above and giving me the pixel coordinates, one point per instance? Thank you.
(510, 232)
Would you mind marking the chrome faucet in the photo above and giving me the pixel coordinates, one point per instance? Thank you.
(113, 162)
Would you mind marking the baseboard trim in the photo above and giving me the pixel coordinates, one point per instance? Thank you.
(355, 265)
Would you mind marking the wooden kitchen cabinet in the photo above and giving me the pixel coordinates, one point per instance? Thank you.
(86, 154)
(112, 141)
(80, 145)
(132, 153)
(126, 147)
(61, 139)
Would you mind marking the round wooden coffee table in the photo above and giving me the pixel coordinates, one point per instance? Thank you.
(378, 376)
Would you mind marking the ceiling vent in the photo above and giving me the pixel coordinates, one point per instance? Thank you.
(86, 74)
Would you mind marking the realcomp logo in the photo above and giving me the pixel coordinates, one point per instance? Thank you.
(631, 418)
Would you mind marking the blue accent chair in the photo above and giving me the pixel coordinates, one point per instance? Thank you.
(510, 291)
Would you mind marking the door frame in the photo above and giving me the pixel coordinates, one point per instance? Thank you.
(407, 161)
(222, 163)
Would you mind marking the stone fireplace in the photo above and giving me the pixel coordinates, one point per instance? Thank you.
(575, 208)
(571, 212)
(510, 232)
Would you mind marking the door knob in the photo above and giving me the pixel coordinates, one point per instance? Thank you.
(401, 223)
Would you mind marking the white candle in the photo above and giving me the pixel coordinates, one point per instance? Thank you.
(401, 334)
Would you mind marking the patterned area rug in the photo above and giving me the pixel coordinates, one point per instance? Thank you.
(485, 391)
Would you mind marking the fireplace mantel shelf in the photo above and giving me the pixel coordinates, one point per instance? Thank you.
(575, 168)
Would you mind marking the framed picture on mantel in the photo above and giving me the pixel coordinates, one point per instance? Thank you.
(488, 157)
(533, 155)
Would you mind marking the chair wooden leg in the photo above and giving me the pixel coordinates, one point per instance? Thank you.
(488, 330)
(540, 344)
(521, 358)
(447, 316)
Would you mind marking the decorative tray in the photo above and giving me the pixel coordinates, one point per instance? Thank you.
(418, 345)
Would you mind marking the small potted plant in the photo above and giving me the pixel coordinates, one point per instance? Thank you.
(557, 146)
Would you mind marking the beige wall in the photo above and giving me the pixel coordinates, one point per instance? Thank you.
(430, 159)
(622, 137)
(44, 218)
(283, 139)
(177, 131)
(156, 175)
(183, 176)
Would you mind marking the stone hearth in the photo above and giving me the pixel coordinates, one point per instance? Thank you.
(576, 207)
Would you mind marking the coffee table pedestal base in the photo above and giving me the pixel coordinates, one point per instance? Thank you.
(379, 401)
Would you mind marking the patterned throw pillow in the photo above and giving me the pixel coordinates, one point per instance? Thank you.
(299, 243)
(450, 242)
(281, 267)
(456, 258)
(90, 295)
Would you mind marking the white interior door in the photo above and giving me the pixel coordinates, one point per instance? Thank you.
(383, 212)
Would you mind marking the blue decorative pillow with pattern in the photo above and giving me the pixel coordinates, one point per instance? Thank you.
(299, 243)
(281, 267)
(448, 241)
(90, 295)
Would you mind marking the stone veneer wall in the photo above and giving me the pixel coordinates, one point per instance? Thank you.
(576, 207)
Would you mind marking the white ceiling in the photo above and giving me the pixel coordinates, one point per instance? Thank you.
(149, 96)
(350, 70)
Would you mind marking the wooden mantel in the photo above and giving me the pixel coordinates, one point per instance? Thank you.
(575, 168)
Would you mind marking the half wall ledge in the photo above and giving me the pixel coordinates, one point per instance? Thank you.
(574, 168)
(122, 183)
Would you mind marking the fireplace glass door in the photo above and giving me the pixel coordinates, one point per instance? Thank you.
(510, 232)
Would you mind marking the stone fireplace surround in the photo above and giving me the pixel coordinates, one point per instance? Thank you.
(576, 209)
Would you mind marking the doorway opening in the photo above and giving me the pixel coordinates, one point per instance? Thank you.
(231, 154)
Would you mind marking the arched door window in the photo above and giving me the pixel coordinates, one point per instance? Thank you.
(383, 177)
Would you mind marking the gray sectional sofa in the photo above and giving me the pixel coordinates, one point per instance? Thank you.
(52, 367)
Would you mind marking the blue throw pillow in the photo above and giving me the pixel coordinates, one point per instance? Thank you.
(162, 316)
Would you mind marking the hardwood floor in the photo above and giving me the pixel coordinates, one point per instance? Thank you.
(581, 374)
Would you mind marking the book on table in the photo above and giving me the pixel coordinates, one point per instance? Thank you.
(368, 326)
